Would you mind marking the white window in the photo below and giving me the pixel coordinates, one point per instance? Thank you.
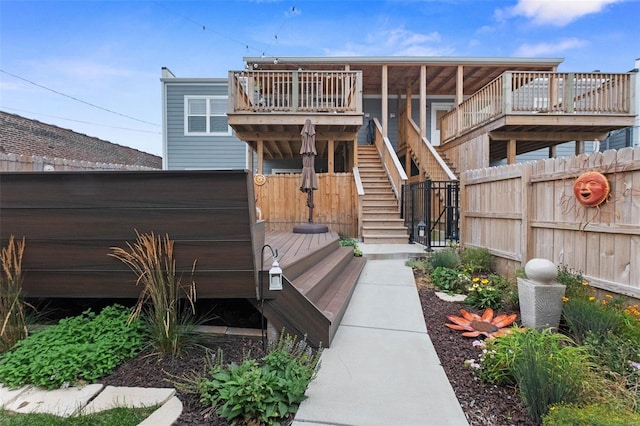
(206, 115)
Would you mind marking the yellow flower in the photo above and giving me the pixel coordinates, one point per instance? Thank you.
(592, 298)
(485, 281)
(475, 279)
(565, 299)
(585, 283)
(608, 296)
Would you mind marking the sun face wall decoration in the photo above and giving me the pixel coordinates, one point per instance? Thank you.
(591, 189)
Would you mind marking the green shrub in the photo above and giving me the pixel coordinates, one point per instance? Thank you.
(449, 280)
(590, 415)
(477, 260)
(12, 312)
(447, 258)
(550, 370)
(170, 322)
(77, 349)
(577, 287)
(252, 393)
(584, 316)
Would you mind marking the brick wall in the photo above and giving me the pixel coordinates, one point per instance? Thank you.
(23, 136)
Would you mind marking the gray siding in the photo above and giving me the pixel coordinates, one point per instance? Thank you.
(198, 152)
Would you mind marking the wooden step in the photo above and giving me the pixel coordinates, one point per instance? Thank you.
(384, 230)
(385, 239)
(321, 276)
(385, 222)
(380, 215)
(334, 303)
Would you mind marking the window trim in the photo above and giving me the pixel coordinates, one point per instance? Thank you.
(208, 116)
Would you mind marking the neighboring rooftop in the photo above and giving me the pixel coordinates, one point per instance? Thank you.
(25, 136)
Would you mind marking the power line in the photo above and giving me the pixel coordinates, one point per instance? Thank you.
(76, 99)
(290, 13)
(83, 122)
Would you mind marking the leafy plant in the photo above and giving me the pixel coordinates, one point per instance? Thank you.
(550, 370)
(420, 264)
(78, 349)
(12, 306)
(350, 242)
(590, 415)
(449, 280)
(477, 259)
(162, 300)
(252, 393)
(483, 293)
(447, 258)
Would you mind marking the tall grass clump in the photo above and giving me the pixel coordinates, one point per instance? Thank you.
(12, 313)
(550, 370)
(162, 300)
(447, 258)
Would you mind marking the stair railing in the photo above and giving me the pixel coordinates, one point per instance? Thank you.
(395, 172)
(359, 199)
(428, 158)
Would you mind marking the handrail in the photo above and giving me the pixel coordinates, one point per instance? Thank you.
(359, 198)
(295, 91)
(390, 161)
(531, 92)
(428, 158)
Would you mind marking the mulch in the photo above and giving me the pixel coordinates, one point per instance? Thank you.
(482, 403)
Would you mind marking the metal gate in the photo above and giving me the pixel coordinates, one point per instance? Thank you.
(431, 210)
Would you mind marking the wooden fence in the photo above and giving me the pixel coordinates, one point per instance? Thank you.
(282, 205)
(71, 219)
(528, 210)
(36, 163)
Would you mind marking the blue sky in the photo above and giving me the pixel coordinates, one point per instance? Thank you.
(94, 66)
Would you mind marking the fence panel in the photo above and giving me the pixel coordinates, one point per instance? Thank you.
(282, 204)
(529, 210)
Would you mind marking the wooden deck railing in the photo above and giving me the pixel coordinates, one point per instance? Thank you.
(295, 91)
(395, 172)
(426, 156)
(360, 196)
(541, 92)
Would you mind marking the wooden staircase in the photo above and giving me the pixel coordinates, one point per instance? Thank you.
(381, 222)
(317, 288)
(446, 159)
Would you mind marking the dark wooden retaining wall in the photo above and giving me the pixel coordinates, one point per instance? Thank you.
(71, 219)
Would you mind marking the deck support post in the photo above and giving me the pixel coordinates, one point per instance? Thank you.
(511, 151)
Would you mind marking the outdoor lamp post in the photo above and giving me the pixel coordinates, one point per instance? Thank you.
(422, 228)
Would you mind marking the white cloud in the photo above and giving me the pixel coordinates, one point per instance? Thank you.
(546, 49)
(554, 12)
(395, 42)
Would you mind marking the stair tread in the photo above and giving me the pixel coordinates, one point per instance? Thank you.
(338, 299)
(314, 282)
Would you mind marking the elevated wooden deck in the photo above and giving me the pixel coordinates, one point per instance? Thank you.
(320, 277)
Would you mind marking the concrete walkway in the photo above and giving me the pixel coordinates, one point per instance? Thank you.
(381, 368)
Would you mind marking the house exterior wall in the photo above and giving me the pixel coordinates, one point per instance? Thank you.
(188, 152)
(26, 137)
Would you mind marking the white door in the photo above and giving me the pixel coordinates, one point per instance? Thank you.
(437, 111)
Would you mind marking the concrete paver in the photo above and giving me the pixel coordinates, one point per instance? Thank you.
(60, 402)
(8, 395)
(165, 415)
(133, 397)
